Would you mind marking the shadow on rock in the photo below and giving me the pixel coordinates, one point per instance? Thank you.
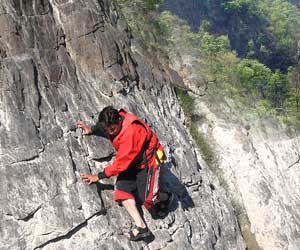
(149, 239)
(172, 185)
(103, 186)
(105, 202)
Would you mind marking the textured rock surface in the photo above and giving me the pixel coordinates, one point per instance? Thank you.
(260, 164)
(64, 60)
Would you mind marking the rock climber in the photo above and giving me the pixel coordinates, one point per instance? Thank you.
(137, 165)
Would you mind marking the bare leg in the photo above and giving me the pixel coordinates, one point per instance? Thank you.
(134, 213)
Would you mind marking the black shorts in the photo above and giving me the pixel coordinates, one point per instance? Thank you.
(139, 184)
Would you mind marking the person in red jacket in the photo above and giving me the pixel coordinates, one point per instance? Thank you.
(137, 164)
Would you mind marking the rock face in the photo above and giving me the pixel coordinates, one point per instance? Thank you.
(62, 61)
(258, 157)
(260, 164)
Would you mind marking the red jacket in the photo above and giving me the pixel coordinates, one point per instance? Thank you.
(129, 144)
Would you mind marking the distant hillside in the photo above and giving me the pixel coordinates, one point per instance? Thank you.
(265, 30)
(192, 11)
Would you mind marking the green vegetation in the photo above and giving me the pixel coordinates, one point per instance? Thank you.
(255, 86)
(245, 50)
(147, 5)
(257, 78)
(188, 104)
(205, 148)
(266, 30)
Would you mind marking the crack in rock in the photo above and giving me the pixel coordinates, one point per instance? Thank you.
(73, 231)
(28, 160)
(295, 163)
(96, 27)
(102, 159)
(31, 214)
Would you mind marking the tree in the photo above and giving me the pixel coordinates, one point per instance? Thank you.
(277, 90)
(152, 4)
(212, 47)
(254, 75)
(147, 4)
(294, 79)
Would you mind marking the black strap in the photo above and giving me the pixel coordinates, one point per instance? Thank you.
(149, 176)
(153, 152)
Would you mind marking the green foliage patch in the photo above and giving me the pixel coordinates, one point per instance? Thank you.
(148, 5)
(265, 33)
(188, 104)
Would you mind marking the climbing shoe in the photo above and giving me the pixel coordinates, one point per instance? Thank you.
(162, 208)
(142, 234)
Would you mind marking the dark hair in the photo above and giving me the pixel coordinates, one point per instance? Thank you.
(108, 116)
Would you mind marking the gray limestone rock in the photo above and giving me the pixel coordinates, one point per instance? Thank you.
(62, 61)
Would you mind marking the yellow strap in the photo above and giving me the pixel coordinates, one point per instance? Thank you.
(160, 155)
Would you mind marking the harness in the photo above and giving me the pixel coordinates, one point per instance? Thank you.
(144, 157)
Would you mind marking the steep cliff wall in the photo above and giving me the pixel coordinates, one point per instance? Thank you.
(64, 60)
(257, 161)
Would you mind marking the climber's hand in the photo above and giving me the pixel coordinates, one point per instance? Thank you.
(86, 129)
(89, 178)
